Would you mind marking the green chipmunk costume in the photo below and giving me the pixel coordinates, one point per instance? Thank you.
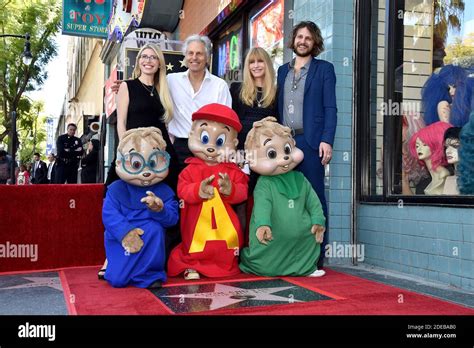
(287, 222)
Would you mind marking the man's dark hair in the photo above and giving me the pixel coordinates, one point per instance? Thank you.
(37, 154)
(3, 153)
(315, 34)
(71, 124)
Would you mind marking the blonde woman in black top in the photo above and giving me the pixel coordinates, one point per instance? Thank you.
(254, 98)
(145, 100)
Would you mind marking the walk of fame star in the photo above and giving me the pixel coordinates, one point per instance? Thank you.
(225, 295)
(50, 282)
(208, 297)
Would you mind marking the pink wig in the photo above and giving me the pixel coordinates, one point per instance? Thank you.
(433, 136)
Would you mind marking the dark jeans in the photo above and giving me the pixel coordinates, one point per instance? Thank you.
(313, 170)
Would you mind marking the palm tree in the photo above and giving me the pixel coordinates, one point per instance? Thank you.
(447, 14)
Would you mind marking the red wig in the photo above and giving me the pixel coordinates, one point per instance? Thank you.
(433, 136)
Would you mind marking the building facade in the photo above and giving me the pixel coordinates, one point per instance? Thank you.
(83, 103)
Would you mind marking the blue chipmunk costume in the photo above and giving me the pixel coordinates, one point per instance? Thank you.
(137, 210)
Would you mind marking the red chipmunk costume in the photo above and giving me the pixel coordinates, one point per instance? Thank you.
(207, 187)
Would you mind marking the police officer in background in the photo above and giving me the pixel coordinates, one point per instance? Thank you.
(69, 154)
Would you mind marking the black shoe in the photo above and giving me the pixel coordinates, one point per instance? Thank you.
(155, 285)
(101, 274)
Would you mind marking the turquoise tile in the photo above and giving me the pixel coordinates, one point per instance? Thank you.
(467, 283)
(468, 233)
(420, 272)
(444, 278)
(346, 222)
(454, 280)
(345, 209)
(345, 235)
(423, 260)
(433, 262)
(432, 275)
(335, 209)
(466, 252)
(454, 266)
(467, 217)
(346, 196)
(427, 229)
(443, 264)
(467, 268)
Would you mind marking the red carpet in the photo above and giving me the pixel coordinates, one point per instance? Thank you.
(63, 223)
(349, 295)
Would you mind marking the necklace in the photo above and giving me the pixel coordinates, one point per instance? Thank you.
(148, 90)
(296, 80)
(259, 101)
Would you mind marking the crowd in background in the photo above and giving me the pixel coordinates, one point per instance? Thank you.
(74, 163)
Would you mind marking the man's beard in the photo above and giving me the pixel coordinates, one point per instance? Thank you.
(304, 55)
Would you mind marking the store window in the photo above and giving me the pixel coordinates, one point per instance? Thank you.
(266, 30)
(228, 52)
(421, 81)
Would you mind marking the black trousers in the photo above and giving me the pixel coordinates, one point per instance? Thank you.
(182, 151)
(67, 173)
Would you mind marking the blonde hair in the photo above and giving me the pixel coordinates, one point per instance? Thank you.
(135, 135)
(268, 127)
(159, 80)
(248, 92)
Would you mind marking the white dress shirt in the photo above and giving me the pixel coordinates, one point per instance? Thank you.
(185, 101)
(50, 169)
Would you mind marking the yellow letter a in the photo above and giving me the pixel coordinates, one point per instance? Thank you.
(204, 231)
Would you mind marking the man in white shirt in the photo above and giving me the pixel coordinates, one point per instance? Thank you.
(192, 89)
(51, 169)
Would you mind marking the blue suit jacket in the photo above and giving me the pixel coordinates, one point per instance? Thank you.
(319, 106)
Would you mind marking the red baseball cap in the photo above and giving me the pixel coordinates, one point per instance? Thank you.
(219, 113)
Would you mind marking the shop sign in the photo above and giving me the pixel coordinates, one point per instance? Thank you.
(86, 18)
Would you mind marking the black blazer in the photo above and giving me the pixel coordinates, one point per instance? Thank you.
(53, 173)
(40, 176)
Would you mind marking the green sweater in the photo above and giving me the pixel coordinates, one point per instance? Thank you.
(288, 204)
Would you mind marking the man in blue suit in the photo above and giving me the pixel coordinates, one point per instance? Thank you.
(307, 104)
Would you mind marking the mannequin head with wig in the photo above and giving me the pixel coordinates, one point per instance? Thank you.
(428, 144)
(453, 86)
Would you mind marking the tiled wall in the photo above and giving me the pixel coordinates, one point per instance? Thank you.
(335, 19)
(431, 242)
